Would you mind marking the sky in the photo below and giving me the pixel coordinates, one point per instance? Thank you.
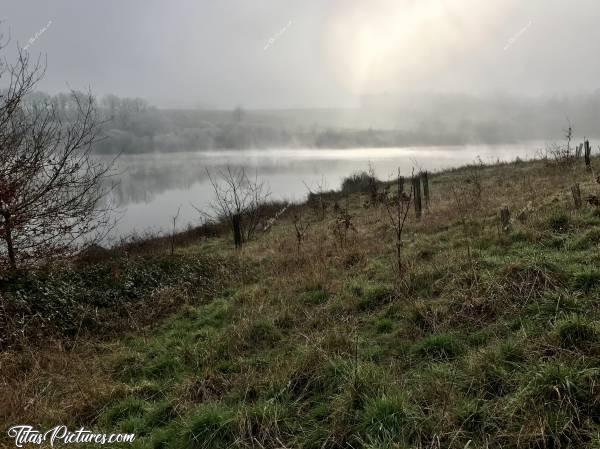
(309, 53)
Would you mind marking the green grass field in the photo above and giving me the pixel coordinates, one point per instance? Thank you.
(487, 339)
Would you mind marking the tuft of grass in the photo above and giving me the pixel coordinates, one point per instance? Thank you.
(316, 296)
(390, 418)
(439, 348)
(427, 316)
(586, 281)
(374, 296)
(160, 415)
(558, 221)
(210, 427)
(164, 438)
(384, 325)
(555, 384)
(130, 407)
(261, 334)
(575, 332)
(588, 240)
(473, 416)
(554, 304)
(262, 423)
(493, 370)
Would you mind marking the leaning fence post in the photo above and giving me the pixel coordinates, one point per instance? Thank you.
(576, 192)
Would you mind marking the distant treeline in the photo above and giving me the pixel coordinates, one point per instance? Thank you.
(133, 126)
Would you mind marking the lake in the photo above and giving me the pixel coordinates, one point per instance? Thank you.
(152, 187)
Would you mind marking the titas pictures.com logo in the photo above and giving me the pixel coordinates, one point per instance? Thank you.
(24, 434)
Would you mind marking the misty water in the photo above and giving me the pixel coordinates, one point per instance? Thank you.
(152, 187)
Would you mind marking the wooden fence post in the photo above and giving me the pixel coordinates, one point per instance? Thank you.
(576, 192)
(425, 180)
(587, 153)
(236, 221)
(416, 180)
(505, 219)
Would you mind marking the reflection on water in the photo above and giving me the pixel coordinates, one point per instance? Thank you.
(153, 186)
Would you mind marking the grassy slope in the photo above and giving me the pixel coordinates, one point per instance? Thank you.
(332, 349)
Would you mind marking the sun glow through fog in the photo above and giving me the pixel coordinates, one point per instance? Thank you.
(401, 41)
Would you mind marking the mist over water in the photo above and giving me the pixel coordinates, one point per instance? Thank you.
(179, 86)
(152, 187)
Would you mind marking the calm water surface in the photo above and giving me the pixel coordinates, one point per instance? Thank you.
(152, 187)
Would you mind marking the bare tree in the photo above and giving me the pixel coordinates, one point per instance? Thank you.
(397, 209)
(238, 200)
(343, 224)
(301, 229)
(174, 219)
(51, 188)
(569, 136)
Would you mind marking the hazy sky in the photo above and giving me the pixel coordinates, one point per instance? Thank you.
(292, 53)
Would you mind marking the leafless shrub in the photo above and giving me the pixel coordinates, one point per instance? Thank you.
(563, 154)
(238, 201)
(467, 202)
(51, 188)
(342, 224)
(301, 229)
(560, 154)
(316, 197)
(397, 209)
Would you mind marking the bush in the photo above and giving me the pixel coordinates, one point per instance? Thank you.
(358, 182)
(94, 298)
